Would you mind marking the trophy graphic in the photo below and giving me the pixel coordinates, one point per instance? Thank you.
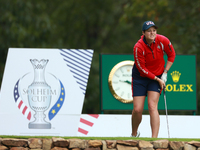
(39, 95)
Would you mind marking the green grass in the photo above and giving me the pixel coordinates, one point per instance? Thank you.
(103, 138)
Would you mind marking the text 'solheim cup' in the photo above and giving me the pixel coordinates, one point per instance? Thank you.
(39, 95)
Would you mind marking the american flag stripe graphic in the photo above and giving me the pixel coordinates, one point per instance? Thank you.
(87, 123)
(82, 131)
(24, 110)
(79, 62)
(94, 115)
(20, 104)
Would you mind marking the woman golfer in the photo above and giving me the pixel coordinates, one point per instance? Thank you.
(149, 75)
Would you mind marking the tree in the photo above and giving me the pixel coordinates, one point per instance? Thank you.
(104, 26)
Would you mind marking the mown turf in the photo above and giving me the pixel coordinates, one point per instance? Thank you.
(103, 138)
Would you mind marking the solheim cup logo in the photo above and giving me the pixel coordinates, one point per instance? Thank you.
(39, 95)
(34, 96)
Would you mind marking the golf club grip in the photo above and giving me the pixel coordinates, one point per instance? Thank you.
(164, 90)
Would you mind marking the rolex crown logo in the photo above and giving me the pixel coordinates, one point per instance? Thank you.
(175, 76)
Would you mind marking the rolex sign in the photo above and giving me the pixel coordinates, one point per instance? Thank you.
(175, 75)
(180, 86)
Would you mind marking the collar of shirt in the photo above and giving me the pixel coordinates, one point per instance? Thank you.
(146, 41)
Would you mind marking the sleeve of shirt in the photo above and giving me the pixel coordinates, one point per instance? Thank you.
(169, 49)
(140, 63)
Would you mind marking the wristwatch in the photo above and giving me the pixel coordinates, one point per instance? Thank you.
(165, 70)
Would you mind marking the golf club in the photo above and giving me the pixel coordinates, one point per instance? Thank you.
(166, 112)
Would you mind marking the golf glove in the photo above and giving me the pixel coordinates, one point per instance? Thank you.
(164, 77)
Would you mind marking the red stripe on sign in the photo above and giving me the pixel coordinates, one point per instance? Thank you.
(94, 115)
(24, 110)
(86, 122)
(82, 131)
(29, 116)
(20, 104)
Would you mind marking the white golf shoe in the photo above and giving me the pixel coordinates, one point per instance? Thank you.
(138, 135)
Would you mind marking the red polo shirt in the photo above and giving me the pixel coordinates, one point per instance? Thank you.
(149, 60)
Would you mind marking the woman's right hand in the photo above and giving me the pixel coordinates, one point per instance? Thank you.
(161, 83)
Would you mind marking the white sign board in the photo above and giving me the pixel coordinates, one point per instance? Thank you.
(120, 126)
(43, 91)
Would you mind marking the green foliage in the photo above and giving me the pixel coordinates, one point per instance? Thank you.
(105, 26)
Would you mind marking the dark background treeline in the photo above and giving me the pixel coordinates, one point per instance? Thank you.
(107, 26)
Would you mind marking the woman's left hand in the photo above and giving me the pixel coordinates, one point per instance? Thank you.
(164, 77)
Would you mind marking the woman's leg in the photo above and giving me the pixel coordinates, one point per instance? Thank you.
(138, 106)
(153, 98)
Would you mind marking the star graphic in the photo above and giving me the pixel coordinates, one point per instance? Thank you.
(53, 111)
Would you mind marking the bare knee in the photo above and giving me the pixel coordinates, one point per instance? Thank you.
(137, 111)
(153, 101)
(152, 106)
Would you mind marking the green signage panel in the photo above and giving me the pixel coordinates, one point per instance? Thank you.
(180, 86)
